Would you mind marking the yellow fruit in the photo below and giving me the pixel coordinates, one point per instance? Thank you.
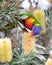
(49, 61)
(40, 16)
(5, 50)
(28, 43)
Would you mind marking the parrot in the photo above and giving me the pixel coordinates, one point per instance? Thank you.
(29, 23)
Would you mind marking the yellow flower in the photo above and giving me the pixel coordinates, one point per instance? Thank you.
(28, 43)
(5, 50)
(49, 61)
(40, 15)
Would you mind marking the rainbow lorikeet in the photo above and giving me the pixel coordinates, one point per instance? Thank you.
(29, 23)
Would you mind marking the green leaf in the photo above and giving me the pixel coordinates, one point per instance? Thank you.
(1, 0)
(2, 28)
(16, 62)
(15, 52)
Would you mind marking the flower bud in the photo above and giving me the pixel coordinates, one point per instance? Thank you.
(49, 61)
(28, 43)
(40, 16)
(5, 50)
